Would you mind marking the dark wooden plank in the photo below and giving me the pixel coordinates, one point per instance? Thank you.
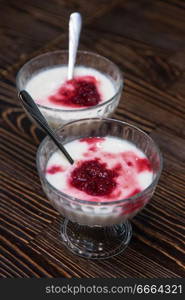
(153, 22)
(19, 260)
(34, 23)
(177, 88)
(173, 149)
(128, 264)
(28, 32)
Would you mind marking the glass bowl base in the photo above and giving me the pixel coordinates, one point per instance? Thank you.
(96, 242)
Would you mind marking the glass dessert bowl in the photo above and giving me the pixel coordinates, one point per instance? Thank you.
(122, 164)
(94, 92)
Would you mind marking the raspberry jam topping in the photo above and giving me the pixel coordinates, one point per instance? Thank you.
(54, 169)
(79, 92)
(92, 140)
(94, 178)
(140, 164)
(134, 192)
(100, 174)
(143, 164)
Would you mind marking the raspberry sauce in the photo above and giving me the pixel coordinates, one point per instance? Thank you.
(78, 92)
(92, 143)
(92, 140)
(54, 169)
(94, 178)
(134, 192)
(106, 169)
(139, 163)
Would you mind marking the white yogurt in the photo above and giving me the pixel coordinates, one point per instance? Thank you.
(114, 152)
(46, 83)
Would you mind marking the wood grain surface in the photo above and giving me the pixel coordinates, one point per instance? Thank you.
(147, 40)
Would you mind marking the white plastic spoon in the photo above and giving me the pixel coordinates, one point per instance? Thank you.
(75, 24)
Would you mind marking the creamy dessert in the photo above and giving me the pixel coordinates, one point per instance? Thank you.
(61, 98)
(105, 170)
(89, 87)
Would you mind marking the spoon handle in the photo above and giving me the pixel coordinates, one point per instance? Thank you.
(75, 24)
(33, 110)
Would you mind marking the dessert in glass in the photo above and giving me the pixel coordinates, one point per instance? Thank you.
(116, 170)
(94, 91)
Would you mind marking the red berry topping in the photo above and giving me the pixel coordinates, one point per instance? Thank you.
(143, 164)
(136, 162)
(92, 140)
(134, 192)
(54, 169)
(94, 178)
(78, 92)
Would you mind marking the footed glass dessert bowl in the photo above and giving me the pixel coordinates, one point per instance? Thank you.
(94, 91)
(116, 170)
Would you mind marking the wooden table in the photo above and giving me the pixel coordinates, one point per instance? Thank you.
(147, 40)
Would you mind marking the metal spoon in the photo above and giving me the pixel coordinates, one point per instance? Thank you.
(31, 107)
(75, 24)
